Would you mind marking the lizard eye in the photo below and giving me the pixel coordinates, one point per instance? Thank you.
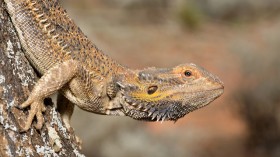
(152, 89)
(188, 73)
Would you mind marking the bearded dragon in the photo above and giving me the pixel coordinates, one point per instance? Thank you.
(71, 64)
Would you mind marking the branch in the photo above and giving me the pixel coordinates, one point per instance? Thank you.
(16, 81)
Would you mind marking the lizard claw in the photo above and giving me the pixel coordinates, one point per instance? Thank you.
(36, 109)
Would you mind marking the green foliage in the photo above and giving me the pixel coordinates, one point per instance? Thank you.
(190, 15)
(193, 12)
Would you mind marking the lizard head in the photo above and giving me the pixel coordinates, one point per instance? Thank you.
(167, 94)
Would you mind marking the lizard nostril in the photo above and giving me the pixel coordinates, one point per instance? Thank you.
(152, 89)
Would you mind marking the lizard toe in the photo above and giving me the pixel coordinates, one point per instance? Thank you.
(25, 104)
(29, 120)
(40, 120)
(37, 108)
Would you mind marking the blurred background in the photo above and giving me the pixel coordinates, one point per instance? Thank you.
(238, 40)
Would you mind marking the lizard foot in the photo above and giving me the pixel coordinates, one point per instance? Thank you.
(36, 109)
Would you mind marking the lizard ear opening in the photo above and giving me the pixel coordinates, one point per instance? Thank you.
(152, 89)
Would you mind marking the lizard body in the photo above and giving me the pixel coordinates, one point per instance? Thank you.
(71, 64)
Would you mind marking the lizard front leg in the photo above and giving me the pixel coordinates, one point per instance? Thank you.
(53, 80)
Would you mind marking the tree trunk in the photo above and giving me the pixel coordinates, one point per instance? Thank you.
(16, 80)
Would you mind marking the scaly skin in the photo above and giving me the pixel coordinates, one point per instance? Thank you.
(71, 64)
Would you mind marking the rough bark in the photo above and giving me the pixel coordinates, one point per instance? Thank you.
(16, 80)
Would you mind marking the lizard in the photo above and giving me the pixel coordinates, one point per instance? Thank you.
(70, 64)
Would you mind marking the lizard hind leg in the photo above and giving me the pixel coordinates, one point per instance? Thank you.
(65, 108)
(53, 80)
